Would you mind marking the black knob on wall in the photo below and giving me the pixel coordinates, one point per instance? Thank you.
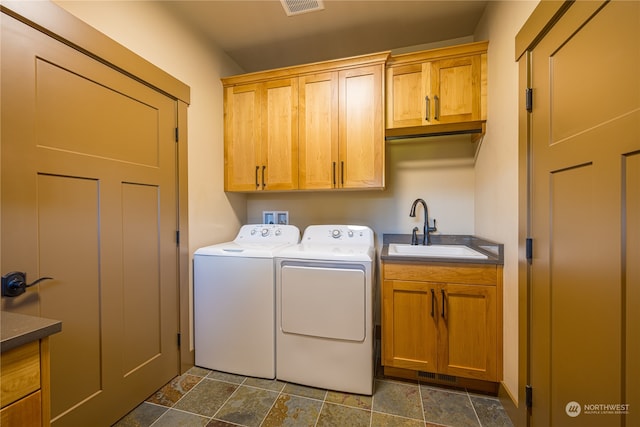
(15, 283)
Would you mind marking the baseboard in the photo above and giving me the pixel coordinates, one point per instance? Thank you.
(510, 404)
(485, 387)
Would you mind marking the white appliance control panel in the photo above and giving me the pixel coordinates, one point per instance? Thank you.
(338, 234)
(272, 233)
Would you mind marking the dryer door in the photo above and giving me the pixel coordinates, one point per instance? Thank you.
(324, 300)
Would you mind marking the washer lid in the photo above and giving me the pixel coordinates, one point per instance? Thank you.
(255, 241)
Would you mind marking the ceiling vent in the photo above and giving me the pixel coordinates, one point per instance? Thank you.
(297, 7)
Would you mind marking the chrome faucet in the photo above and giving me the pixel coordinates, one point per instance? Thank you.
(426, 238)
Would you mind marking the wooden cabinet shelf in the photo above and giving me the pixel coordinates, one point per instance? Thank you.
(443, 319)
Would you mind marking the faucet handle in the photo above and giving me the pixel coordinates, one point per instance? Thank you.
(434, 228)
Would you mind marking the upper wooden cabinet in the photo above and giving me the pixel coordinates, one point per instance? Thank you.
(311, 127)
(261, 136)
(437, 91)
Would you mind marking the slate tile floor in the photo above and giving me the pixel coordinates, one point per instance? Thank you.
(201, 397)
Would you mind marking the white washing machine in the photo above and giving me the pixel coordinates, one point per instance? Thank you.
(324, 309)
(234, 300)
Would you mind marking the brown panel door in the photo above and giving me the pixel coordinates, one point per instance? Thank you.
(585, 135)
(89, 197)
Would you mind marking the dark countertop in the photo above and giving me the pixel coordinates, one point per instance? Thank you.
(19, 329)
(493, 250)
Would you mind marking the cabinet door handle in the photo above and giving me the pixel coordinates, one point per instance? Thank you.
(433, 302)
(333, 165)
(342, 173)
(257, 169)
(437, 116)
(264, 184)
(443, 301)
(427, 103)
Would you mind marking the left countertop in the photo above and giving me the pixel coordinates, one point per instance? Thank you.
(19, 329)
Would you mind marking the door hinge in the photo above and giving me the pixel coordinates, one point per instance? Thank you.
(177, 135)
(529, 249)
(528, 396)
(177, 237)
(178, 339)
(529, 99)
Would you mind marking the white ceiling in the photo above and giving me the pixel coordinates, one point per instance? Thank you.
(259, 35)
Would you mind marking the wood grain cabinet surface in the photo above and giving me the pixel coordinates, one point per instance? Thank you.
(442, 319)
(437, 91)
(310, 127)
(22, 382)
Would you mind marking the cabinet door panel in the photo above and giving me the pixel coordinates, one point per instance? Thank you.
(456, 83)
(318, 131)
(409, 325)
(280, 135)
(406, 104)
(243, 129)
(468, 333)
(361, 128)
(25, 412)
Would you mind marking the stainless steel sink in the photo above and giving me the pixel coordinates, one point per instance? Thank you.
(436, 251)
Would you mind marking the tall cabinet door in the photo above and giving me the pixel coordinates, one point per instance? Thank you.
(279, 148)
(243, 133)
(361, 128)
(318, 131)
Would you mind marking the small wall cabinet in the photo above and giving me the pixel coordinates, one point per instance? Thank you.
(437, 91)
(442, 319)
(310, 127)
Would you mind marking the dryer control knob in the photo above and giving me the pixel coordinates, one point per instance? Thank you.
(253, 231)
(278, 232)
(350, 233)
(336, 234)
(265, 232)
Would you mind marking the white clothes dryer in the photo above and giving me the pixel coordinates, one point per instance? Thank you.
(234, 300)
(324, 309)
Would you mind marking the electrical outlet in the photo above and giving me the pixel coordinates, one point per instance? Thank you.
(268, 217)
(275, 217)
(282, 217)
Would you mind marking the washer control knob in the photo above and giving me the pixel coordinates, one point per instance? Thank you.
(336, 233)
(265, 232)
(278, 232)
(350, 233)
(253, 231)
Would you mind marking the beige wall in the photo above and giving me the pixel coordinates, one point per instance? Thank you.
(439, 171)
(496, 178)
(150, 31)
